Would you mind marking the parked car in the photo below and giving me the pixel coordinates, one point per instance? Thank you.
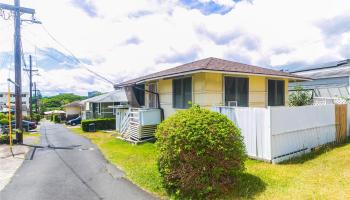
(74, 122)
(27, 125)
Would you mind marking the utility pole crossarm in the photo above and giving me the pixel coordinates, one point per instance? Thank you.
(14, 8)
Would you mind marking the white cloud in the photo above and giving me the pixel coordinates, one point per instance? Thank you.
(260, 32)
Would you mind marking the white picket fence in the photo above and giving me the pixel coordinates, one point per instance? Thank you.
(279, 133)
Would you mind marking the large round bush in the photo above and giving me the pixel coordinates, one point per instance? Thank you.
(200, 153)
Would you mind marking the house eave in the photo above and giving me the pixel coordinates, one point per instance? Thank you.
(211, 71)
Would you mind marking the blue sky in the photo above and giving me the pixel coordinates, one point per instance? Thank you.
(126, 39)
(208, 7)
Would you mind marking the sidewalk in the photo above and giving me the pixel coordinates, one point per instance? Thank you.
(10, 164)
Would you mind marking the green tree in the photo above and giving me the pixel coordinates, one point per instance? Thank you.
(58, 101)
(300, 97)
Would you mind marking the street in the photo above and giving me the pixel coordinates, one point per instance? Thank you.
(77, 173)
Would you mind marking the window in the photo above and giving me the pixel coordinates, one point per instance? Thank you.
(152, 97)
(94, 107)
(140, 94)
(182, 92)
(105, 108)
(24, 95)
(276, 93)
(236, 91)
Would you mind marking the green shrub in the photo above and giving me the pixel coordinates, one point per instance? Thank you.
(3, 116)
(200, 153)
(100, 124)
(4, 139)
(4, 121)
(52, 117)
(56, 118)
(300, 97)
(27, 118)
(37, 117)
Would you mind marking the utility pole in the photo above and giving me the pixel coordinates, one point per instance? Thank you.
(30, 86)
(18, 10)
(36, 99)
(18, 73)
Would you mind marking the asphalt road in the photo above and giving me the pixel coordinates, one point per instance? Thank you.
(79, 173)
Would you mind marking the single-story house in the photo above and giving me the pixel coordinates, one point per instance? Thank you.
(73, 109)
(59, 113)
(330, 80)
(101, 106)
(208, 82)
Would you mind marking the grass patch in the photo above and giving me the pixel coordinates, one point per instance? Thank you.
(323, 174)
(27, 134)
(4, 139)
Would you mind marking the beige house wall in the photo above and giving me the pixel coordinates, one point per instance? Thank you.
(208, 90)
(165, 90)
(73, 110)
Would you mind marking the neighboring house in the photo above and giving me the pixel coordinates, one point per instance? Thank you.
(102, 106)
(73, 109)
(60, 113)
(209, 82)
(4, 102)
(330, 80)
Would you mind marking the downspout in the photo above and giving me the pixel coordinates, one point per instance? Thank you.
(158, 101)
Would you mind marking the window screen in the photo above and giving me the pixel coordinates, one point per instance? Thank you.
(276, 93)
(182, 92)
(140, 94)
(236, 91)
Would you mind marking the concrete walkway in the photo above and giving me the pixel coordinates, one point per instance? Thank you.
(77, 173)
(9, 163)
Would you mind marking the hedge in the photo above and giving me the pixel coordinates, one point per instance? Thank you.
(100, 124)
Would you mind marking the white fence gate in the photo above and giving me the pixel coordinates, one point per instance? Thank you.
(279, 133)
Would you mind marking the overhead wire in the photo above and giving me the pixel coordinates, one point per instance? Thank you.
(75, 58)
(72, 56)
(24, 61)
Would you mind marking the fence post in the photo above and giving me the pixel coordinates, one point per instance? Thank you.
(341, 122)
(269, 123)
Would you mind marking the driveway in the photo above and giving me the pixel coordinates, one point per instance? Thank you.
(77, 173)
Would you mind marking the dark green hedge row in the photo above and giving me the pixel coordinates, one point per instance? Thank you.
(100, 124)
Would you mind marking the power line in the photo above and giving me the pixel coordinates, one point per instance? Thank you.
(75, 58)
(35, 52)
(46, 54)
(23, 59)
